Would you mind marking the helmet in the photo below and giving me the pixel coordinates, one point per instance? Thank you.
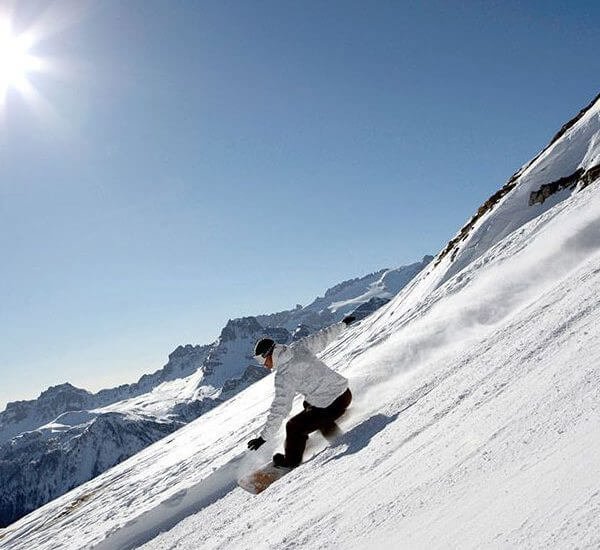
(263, 348)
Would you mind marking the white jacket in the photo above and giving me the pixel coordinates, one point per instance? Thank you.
(298, 370)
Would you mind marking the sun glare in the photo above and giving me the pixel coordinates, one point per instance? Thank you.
(21, 56)
(15, 60)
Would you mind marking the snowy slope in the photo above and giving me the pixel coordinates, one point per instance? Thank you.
(68, 435)
(497, 447)
(476, 415)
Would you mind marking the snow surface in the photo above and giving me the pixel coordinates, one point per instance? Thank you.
(476, 419)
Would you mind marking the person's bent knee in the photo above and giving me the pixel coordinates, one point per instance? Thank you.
(293, 425)
(296, 427)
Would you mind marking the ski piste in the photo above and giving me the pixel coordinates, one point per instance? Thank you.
(220, 482)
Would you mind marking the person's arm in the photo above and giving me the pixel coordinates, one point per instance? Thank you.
(318, 341)
(280, 408)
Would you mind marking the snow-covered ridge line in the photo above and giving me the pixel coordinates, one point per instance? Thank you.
(493, 200)
(568, 125)
(343, 297)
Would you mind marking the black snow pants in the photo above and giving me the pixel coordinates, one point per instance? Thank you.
(310, 420)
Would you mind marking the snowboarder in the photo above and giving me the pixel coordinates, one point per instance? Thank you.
(298, 370)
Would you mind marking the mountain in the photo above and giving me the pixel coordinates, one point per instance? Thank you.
(475, 420)
(22, 416)
(68, 435)
(345, 297)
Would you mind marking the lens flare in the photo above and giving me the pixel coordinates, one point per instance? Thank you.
(15, 60)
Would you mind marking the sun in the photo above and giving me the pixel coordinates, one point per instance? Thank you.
(22, 57)
(15, 60)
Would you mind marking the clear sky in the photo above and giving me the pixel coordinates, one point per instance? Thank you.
(175, 164)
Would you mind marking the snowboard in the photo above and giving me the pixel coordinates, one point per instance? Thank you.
(257, 481)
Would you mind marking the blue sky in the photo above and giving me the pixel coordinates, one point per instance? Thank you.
(198, 161)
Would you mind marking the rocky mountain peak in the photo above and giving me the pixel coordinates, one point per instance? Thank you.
(334, 290)
(62, 389)
(244, 327)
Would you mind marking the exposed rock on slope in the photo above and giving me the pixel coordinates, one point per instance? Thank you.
(579, 179)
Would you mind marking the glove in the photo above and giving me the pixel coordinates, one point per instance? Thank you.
(254, 444)
(348, 320)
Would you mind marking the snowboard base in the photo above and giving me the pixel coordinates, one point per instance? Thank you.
(257, 481)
